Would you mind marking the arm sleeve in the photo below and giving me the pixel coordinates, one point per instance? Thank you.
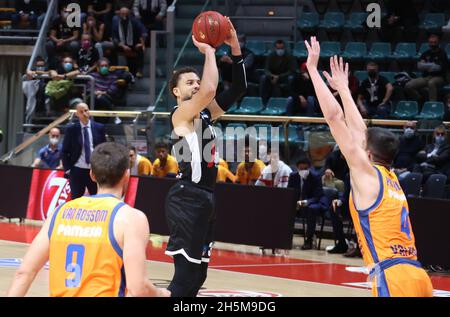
(238, 86)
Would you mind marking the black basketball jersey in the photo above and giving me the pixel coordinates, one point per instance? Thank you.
(199, 163)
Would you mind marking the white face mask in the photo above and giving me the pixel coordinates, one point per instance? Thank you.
(303, 174)
(54, 141)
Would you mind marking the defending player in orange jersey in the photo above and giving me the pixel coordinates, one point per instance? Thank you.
(93, 242)
(377, 203)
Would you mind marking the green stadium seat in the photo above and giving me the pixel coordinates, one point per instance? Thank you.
(328, 49)
(406, 110)
(404, 52)
(300, 50)
(275, 107)
(250, 105)
(223, 50)
(433, 22)
(355, 22)
(295, 135)
(233, 109)
(257, 47)
(361, 75)
(379, 51)
(332, 21)
(389, 76)
(308, 22)
(355, 51)
(432, 110)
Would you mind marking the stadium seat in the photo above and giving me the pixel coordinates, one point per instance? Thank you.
(275, 107)
(328, 49)
(404, 52)
(434, 186)
(379, 51)
(233, 109)
(300, 50)
(355, 51)
(250, 105)
(361, 75)
(423, 47)
(332, 21)
(295, 135)
(308, 22)
(411, 184)
(223, 50)
(433, 22)
(432, 110)
(257, 47)
(389, 76)
(355, 22)
(406, 110)
(263, 131)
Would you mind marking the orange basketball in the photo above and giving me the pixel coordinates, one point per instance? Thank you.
(211, 27)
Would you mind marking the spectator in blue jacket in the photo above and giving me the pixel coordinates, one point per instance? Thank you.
(50, 155)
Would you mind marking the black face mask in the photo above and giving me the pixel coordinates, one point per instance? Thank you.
(372, 73)
(434, 47)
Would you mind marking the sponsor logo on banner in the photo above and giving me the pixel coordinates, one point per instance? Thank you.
(49, 190)
(235, 293)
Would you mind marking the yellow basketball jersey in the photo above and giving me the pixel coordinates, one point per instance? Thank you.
(384, 230)
(85, 258)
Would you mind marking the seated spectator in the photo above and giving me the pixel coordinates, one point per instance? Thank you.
(336, 165)
(374, 94)
(106, 88)
(276, 174)
(62, 38)
(99, 36)
(35, 92)
(447, 108)
(88, 55)
(249, 171)
(303, 100)
(310, 199)
(280, 64)
(224, 174)
(165, 164)
(59, 89)
(401, 21)
(101, 10)
(151, 13)
(435, 159)
(139, 165)
(50, 155)
(410, 145)
(127, 35)
(27, 13)
(262, 152)
(329, 180)
(433, 64)
(225, 64)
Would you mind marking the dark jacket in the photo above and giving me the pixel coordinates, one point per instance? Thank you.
(311, 190)
(73, 142)
(442, 160)
(407, 152)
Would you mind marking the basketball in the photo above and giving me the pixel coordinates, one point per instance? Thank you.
(211, 27)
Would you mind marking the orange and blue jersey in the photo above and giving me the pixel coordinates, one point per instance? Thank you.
(85, 258)
(387, 241)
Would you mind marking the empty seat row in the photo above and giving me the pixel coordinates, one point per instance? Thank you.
(431, 110)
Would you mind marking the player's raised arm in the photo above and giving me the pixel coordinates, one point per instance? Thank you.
(238, 87)
(338, 80)
(188, 109)
(355, 155)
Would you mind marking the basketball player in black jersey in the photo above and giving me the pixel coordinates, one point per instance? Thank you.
(190, 202)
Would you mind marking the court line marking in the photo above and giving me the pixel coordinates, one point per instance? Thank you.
(268, 264)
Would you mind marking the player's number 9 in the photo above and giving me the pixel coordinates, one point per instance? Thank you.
(75, 269)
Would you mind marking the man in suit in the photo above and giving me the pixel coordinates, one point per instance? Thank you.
(79, 142)
(311, 200)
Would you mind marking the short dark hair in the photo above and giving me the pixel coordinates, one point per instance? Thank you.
(372, 63)
(303, 160)
(383, 144)
(162, 145)
(109, 162)
(173, 82)
(39, 59)
(131, 148)
(280, 42)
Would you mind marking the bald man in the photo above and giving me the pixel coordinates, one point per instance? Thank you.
(79, 142)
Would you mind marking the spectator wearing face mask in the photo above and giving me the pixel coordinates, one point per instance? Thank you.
(50, 155)
(88, 55)
(435, 159)
(40, 68)
(374, 94)
(276, 174)
(303, 100)
(105, 85)
(280, 64)
(410, 145)
(310, 199)
(433, 64)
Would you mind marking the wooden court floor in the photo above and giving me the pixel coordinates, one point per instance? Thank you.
(235, 270)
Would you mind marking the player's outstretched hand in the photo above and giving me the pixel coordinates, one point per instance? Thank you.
(162, 292)
(202, 47)
(339, 71)
(232, 39)
(313, 53)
